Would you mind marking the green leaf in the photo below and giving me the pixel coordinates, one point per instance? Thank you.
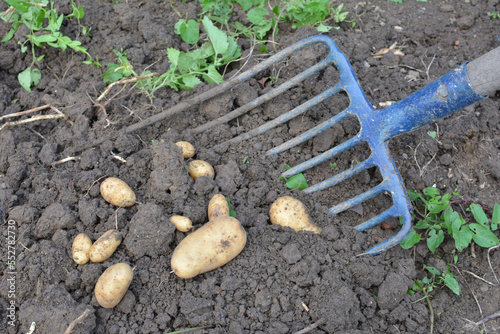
(232, 213)
(256, 16)
(463, 237)
(216, 36)
(432, 270)
(173, 56)
(450, 281)
(323, 28)
(432, 134)
(435, 239)
(21, 6)
(483, 236)
(245, 4)
(29, 77)
(212, 75)
(495, 218)
(297, 181)
(431, 191)
(411, 239)
(44, 39)
(190, 82)
(189, 31)
(479, 215)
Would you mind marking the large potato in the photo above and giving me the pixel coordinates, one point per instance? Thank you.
(81, 248)
(187, 149)
(117, 192)
(183, 224)
(105, 246)
(113, 284)
(199, 168)
(288, 211)
(217, 207)
(211, 246)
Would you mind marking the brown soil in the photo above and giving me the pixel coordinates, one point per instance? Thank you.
(282, 281)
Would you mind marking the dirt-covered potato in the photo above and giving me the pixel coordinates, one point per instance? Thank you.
(217, 207)
(81, 248)
(199, 168)
(211, 246)
(117, 192)
(113, 284)
(288, 211)
(105, 246)
(183, 224)
(187, 149)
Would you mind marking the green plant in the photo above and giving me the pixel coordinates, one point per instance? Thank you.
(44, 23)
(298, 181)
(437, 217)
(232, 213)
(427, 285)
(494, 15)
(313, 13)
(186, 68)
(118, 71)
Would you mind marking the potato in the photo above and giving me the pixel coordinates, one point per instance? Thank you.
(211, 246)
(288, 211)
(187, 149)
(217, 207)
(117, 192)
(199, 168)
(181, 223)
(81, 248)
(113, 284)
(105, 246)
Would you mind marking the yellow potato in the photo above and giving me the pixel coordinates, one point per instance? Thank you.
(181, 223)
(199, 168)
(217, 207)
(81, 248)
(187, 149)
(211, 246)
(105, 246)
(288, 211)
(113, 284)
(117, 192)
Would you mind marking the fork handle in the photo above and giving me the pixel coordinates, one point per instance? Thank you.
(484, 73)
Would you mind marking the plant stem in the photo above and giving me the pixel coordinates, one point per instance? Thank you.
(431, 310)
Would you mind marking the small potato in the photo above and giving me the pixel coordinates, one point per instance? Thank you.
(117, 192)
(187, 149)
(105, 246)
(81, 248)
(210, 247)
(113, 284)
(199, 168)
(182, 223)
(288, 211)
(217, 207)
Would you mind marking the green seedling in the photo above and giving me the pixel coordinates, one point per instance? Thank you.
(494, 15)
(333, 164)
(118, 71)
(232, 213)
(188, 30)
(313, 13)
(44, 24)
(437, 219)
(432, 134)
(187, 69)
(245, 159)
(298, 181)
(427, 285)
